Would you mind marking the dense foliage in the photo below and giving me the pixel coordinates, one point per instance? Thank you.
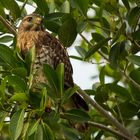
(113, 26)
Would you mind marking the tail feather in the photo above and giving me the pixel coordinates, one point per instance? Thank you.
(79, 102)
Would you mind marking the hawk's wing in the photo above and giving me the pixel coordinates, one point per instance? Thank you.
(53, 53)
(50, 51)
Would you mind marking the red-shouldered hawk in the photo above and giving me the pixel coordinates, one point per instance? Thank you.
(49, 50)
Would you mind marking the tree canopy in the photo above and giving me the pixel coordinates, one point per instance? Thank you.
(114, 107)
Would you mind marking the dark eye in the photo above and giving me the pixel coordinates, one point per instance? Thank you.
(29, 19)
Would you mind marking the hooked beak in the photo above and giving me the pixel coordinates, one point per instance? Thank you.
(38, 20)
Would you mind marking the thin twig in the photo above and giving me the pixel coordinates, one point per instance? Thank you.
(97, 63)
(103, 56)
(136, 24)
(103, 28)
(129, 79)
(106, 114)
(133, 41)
(91, 46)
(105, 128)
(120, 114)
(8, 26)
(24, 4)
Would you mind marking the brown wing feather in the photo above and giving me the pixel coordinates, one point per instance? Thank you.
(48, 50)
(58, 55)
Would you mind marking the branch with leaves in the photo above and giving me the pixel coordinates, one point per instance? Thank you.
(7, 25)
(106, 114)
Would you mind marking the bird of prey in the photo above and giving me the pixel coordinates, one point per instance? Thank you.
(49, 50)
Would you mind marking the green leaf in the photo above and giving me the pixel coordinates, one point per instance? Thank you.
(21, 72)
(133, 16)
(111, 7)
(137, 2)
(82, 5)
(13, 7)
(134, 59)
(6, 54)
(16, 124)
(135, 75)
(76, 57)
(54, 16)
(67, 32)
(3, 115)
(81, 51)
(102, 75)
(104, 23)
(68, 93)
(96, 47)
(2, 89)
(2, 12)
(134, 126)
(77, 115)
(33, 127)
(21, 97)
(52, 78)
(18, 84)
(25, 130)
(81, 26)
(52, 25)
(47, 132)
(136, 35)
(6, 39)
(52, 21)
(97, 37)
(101, 95)
(119, 32)
(60, 74)
(39, 133)
(128, 110)
(34, 99)
(119, 90)
(43, 6)
(70, 134)
(51, 6)
(44, 100)
(114, 55)
(126, 4)
(30, 58)
(90, 91)
(65, 8)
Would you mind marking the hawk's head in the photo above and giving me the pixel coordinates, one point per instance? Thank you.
(32, 22)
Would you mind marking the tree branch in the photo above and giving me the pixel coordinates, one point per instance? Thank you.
(8, 26)
(129, 79)
(106, 114)
(105, 128)
(102, 127)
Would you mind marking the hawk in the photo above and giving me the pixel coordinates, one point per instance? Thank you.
(49, 50)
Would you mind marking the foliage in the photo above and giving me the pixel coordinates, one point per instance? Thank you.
(114, 30)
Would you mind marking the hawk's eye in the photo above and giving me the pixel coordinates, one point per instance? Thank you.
(29, 19)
